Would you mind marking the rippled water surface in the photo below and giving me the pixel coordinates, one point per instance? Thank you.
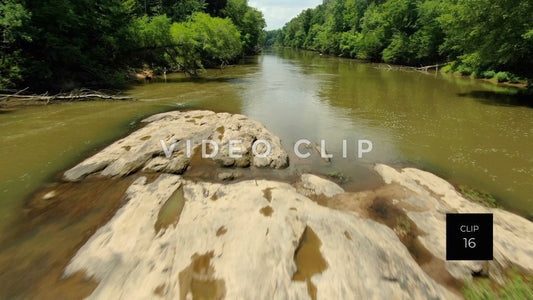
(459, 128)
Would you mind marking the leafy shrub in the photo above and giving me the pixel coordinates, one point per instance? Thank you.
(447, 68)
(464, 70)
(503, 76)
(487, 74)
(153, 37)
(326, 41)
(398, 50)
(348, 44)
(370, 46)
(471, 61)
(514, 79)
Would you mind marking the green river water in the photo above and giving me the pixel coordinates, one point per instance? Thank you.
(458, 128)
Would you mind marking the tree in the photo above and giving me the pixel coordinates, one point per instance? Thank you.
(53, 45)
(176, 10)
(215, 7)
(76, 43)
(479, 35)
(14, 19)
(487, 35)
(153, 40)
(204, 41)
(250, 23)
(271, 37)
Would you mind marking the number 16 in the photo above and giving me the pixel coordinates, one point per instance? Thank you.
(470, 243)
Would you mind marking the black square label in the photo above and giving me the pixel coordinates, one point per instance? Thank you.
(469, 236)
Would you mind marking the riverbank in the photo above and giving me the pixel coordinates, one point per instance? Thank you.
(183, 227)
(11, 99)
(20, 98)
(503, 79)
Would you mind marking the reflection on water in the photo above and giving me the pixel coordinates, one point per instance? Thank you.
(441, 123)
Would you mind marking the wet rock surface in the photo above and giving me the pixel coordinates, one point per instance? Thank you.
(229, 175)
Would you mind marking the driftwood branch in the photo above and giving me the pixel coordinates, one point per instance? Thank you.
(399, 67)
(78, 95)
(437, 66)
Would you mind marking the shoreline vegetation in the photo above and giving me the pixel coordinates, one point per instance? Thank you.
(59, 46)
(479, 38)
(11, 98)
(19, 98)
(445, 68)
(54, 46)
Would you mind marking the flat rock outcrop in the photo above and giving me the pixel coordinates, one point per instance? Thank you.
(248, 240)
(181, 237)
(143, 150)
(427, 203)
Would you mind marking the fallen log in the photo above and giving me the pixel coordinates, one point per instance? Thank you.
(58, 97)
(81, 95)
(426, 68)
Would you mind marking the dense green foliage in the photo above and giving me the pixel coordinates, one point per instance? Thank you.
(60, 43)
(14, 20)
(177, 11)
(478, 35)
(271, 37)
(204, 40)
(63, 44)
(249, 21)
(186, 46)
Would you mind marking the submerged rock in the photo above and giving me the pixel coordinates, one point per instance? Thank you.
(142, 150)
(228, 176)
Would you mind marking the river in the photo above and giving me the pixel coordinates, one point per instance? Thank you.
(456, 127)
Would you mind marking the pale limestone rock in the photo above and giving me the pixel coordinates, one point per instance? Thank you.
(434, 197)
(143, 150)
(252, 252)
(314, 185)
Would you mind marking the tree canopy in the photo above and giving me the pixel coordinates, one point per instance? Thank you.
(63, 44)
(477, 35)
(204, 40)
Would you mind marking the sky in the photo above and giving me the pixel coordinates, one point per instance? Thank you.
(279, 12)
